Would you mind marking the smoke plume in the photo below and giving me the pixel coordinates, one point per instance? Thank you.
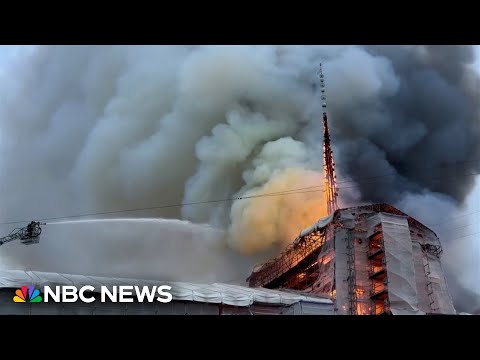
(87, 129)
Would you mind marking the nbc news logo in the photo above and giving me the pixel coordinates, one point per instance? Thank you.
(29, 294)
(70, 294)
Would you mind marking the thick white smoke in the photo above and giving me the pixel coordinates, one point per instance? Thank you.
(88, 129)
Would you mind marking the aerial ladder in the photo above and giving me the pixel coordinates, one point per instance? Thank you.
(27, 235)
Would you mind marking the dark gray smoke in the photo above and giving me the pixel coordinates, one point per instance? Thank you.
(426, 131)
(102, 128)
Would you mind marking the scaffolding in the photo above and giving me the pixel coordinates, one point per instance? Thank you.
(428, 274)
(351, 279)
(435, 251)
(298, 260)
(378, 272)
(362, 282)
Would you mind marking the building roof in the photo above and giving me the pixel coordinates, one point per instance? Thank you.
(325, 221)
(218, 293)
(380, 207)
(387, 208)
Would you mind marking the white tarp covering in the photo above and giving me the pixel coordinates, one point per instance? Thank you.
(442, 300)
(341, 271)
(402, 286)
(234, 295)
(317, 226)
(423, 298)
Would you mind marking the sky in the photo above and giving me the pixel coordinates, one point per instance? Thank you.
(8, 53)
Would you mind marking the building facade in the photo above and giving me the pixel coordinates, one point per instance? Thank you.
(369, 260)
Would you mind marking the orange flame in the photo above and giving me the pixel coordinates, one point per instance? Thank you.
(258, 223)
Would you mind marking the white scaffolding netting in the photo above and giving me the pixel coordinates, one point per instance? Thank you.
(319, 225)
(423, 298)
(442, 301)
(341, 272)
(399, 262)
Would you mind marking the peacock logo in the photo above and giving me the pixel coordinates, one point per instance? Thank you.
(32, 295)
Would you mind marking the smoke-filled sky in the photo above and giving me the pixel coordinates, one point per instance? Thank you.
(102, 128)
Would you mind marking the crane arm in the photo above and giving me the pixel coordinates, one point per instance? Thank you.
(27, 235)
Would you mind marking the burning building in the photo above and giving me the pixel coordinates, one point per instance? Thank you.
(369, 260)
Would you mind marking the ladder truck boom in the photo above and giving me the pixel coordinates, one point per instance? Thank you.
(27, 235)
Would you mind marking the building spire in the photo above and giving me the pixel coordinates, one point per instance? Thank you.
(328, 163)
